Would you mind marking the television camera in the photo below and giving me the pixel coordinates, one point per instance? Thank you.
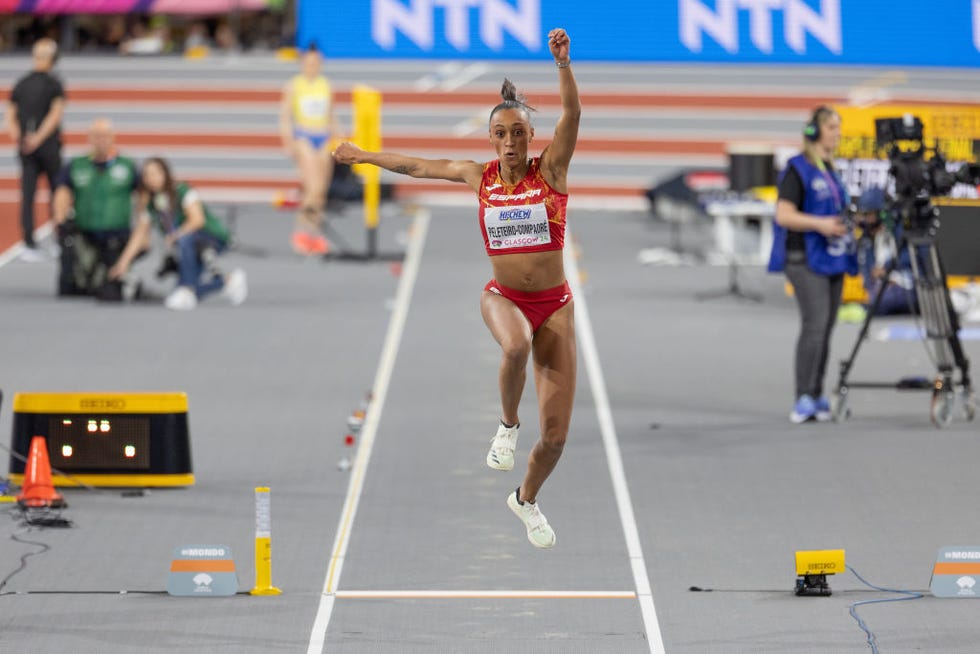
(920, 173)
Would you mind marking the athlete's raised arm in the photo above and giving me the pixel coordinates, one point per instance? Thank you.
(466, 172)
(556, 157)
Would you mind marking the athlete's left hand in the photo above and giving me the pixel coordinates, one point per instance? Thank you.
(347, 153)
(558, 43)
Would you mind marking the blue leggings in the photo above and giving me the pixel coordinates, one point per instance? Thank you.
(192, 270)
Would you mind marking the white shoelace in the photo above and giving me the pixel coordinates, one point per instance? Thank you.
(507, 440)
(535, 519)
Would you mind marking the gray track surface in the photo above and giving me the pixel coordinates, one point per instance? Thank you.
(724, 489)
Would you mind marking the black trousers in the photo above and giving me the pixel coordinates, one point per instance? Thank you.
(46, 160)
(86, 257)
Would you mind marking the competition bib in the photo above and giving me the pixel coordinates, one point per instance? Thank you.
(313, 106)
(516, 227)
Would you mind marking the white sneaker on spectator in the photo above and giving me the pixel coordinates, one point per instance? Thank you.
(50, 248)
(181, 299)
(236, 287)
(33, 255)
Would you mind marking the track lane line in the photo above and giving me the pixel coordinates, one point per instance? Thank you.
(389, 353)
(590, 354)
(486, 594)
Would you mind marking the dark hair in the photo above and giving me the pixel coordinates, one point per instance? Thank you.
(169, 184)
(512, 100)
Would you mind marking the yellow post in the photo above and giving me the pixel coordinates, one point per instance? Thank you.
(263, 544)
(367, 136)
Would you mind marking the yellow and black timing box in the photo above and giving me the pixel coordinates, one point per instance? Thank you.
(106, 439)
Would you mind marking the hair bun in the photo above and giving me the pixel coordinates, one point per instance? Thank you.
(509, 92)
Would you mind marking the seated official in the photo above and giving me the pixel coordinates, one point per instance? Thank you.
(194, 238)
(92, 209)
(884, 268)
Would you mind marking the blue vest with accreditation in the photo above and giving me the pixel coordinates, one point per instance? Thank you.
(823, 195)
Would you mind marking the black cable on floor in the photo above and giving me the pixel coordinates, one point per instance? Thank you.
(30, 519)
(23, 559)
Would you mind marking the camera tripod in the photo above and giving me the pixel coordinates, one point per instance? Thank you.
(940, 332)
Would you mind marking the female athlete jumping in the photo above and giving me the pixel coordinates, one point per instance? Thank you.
(527, 305)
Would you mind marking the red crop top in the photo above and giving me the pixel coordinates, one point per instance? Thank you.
(528, 217)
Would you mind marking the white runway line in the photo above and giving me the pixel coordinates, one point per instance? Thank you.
(590, 354)
(389, 354)
(486, 594)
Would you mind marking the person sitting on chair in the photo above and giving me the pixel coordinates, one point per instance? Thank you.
(194, 237)
(884, 268)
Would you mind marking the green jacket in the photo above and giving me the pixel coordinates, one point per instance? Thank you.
(103, 197)
(161, 215)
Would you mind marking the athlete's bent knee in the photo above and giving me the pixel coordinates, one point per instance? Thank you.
(516, 351)
(554, 441)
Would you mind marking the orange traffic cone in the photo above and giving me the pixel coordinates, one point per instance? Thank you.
(37, 490)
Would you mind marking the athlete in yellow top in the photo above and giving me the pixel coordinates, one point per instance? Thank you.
(306, 123)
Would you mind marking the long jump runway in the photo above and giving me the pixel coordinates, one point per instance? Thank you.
(414, 549)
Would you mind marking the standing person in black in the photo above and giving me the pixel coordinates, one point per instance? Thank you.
(814, 247)
(33, 120)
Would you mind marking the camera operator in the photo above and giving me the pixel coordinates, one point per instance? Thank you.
(878, 251)
(92, 207)
(813, 245)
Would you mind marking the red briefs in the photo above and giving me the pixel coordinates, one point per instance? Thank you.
(537, 306)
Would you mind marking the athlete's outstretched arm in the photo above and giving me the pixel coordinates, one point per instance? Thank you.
(466, 172)
(557, 156)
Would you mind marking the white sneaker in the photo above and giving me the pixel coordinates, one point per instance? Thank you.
(51, 249)
(181, 299)
(236, 287)
(33, 255)
(501, 454)
(539, 532)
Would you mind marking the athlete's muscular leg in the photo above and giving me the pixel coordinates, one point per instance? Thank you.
(311, 176)
(325, 172)
(512, 332)
(554, 377)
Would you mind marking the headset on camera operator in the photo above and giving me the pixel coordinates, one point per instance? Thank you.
(813, 245)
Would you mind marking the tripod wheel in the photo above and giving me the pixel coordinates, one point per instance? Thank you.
(941, 409)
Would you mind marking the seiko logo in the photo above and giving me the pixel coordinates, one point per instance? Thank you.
(102, 403)
(822, 566)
